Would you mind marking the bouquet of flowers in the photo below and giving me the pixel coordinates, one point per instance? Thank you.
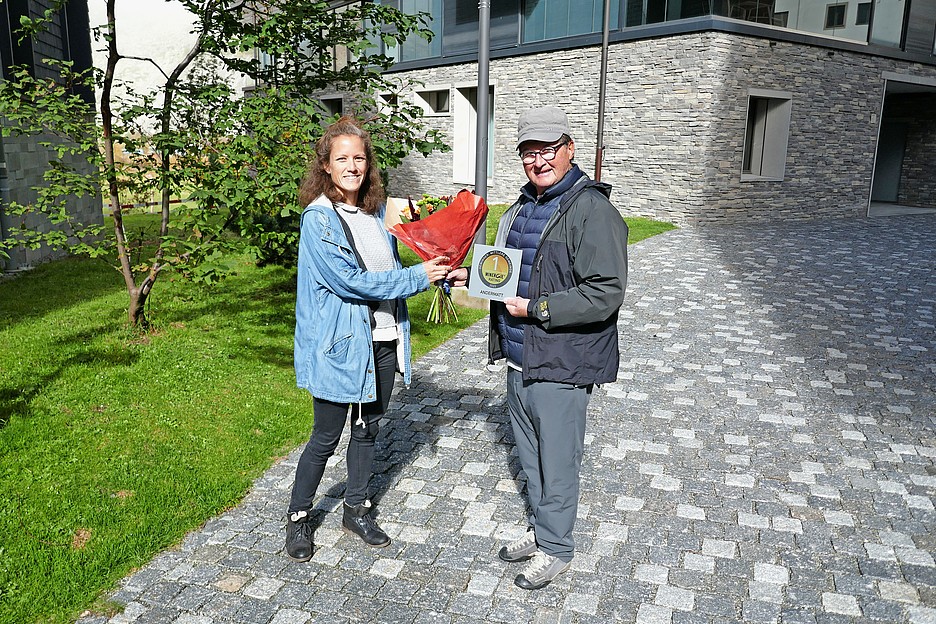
(446, 232)
(423, 207)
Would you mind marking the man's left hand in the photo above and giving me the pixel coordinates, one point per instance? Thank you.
(517, 306)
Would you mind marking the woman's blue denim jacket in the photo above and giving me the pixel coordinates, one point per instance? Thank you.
(334, 354)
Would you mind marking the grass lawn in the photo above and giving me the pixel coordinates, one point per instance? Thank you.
(114, 444)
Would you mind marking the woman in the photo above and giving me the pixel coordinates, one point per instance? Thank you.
(352, 327)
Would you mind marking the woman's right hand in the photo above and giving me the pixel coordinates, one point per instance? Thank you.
(436, 269)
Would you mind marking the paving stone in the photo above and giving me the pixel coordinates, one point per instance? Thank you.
(255, 611)
(192, 597)
(759, 611)
(882, 610)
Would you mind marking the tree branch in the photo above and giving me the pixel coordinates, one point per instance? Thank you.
(146, 60)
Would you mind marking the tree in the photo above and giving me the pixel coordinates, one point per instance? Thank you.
(236, 160)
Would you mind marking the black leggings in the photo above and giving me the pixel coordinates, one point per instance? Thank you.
(329, 422)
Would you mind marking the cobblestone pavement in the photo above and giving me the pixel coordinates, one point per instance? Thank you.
(767, 454)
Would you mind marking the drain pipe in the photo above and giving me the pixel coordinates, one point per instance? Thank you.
(4, 201)
(481, 143)
(603, 80)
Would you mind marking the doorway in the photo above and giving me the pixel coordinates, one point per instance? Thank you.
(904, 158)
(892, 142)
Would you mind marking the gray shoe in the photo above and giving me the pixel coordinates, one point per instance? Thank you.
(541, 571)
(519, 550)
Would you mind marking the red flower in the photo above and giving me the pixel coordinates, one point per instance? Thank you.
(448, 232)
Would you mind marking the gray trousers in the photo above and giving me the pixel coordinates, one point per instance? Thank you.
(549, 429)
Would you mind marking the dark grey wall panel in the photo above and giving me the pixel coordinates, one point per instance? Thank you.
(920, 31)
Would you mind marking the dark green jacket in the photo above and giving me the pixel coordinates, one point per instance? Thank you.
(576, 289)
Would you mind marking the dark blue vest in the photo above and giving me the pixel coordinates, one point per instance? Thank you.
(525, 234)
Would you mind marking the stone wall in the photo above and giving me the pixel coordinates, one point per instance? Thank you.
(515, 90)
(675, 120)
(26, 162)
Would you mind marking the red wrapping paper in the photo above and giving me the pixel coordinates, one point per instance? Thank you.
(447, 232)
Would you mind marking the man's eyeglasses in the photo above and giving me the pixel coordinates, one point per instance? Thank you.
(547, 153)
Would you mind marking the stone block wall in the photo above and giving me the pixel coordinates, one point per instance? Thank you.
(26, 162)
(835, 101)
(515, 90)
(675, 119)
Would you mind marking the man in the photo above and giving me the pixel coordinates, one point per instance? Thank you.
(559, 334)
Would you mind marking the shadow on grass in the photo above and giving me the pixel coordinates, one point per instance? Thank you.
(282, 296)
(15, 400)
(54, 286)
(64, 283)
(268, 310)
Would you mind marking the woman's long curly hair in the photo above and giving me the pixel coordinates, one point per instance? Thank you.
(318, 182)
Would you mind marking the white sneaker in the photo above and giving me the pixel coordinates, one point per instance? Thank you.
(541, 571)
(519, 550)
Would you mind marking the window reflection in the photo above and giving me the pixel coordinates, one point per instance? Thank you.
(880, 22)
(824, 17)
(455, 22)
(843, 19)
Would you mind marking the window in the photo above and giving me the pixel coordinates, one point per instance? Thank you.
(415, 47)
(460, 26)
(887, 27)
(464, 144)
(835, 16)
(551, 19)
(863, 15)
(387, 103)
(332, 106)
(781, 18)
(766, 135)
(13, 50)
(434, 102)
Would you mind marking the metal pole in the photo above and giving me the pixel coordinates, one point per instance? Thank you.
(603, 80)
(484, 60)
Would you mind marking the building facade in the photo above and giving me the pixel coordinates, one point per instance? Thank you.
(23, 159)
(714, 112)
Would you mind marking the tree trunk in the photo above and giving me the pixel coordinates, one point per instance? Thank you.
(136, 311)
(135, 308)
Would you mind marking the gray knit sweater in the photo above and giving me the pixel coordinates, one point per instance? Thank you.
(370, 239)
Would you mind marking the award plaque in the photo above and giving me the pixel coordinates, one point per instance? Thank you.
(495, 272)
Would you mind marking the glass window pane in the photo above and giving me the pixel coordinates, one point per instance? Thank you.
(829, 17)
(582, 17)
(534, 21)
(887, 23)
(864, 14)
(557, 17)
(460, 25)
(634, 15)
(835, 16)
(416, 47)
(552, 19)
(656, 11)
(682, 9)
